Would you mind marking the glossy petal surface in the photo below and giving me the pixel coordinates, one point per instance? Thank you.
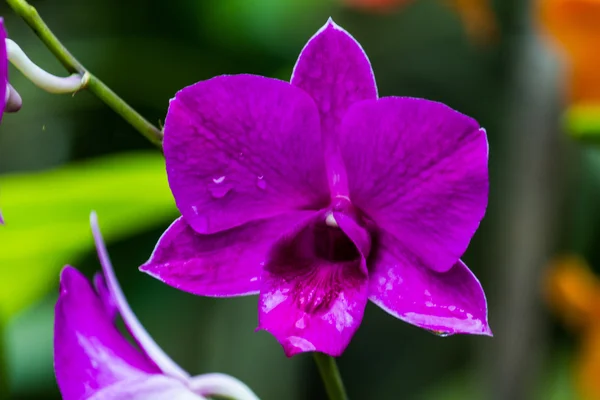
(89, 351)
(153, 387)
(243, 147)
(314, 289)
(227, 263)
(419, 170)
(446, 302)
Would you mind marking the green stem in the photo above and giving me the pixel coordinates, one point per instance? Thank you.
(95, 85)
(331, 376)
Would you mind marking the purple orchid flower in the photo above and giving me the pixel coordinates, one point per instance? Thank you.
(93, 360)
(318, 195)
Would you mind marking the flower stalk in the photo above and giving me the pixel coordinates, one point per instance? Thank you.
(94, 85)
(331, 376)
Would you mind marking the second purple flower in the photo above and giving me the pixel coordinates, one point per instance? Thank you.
(318, 195)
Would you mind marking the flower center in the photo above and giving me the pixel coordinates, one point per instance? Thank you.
(331, 243)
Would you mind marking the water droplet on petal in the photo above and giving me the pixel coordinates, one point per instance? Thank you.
(219, 191)
(440, 333)
(261, 183)
(218, 188)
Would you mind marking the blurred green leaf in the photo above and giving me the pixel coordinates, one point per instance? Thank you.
(281, 27)
(555, 383)
(47, 217)
(583, 121)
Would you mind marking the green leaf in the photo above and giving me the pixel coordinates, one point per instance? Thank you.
(47, 217)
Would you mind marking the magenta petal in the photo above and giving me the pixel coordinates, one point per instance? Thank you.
(419, 170)
(108, 300)
(446, 302)
(227, 263)
(151, 387)
(310, 301)
(89, 351)
(243, 147)
(336, 72)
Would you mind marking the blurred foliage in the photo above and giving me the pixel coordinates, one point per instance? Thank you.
(47, 213)
(573, 291)
(583, 122)
(146, 51)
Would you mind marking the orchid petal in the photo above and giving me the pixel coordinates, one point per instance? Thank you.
(418, 169)
(152, 387)
(89, 351)
(308, 302)
(222, 264)
(335, 71)
(106, 297)
(221, 385)
(243, 147)
(141, 336)
(445, 302)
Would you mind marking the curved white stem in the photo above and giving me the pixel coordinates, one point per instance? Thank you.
(41, 78)
(221, 385)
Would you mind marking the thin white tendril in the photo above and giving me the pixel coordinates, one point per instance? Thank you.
(41, 78)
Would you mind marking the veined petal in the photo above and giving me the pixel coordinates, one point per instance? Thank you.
(89, 351)
(335, 71)
(314, 289)
(419, 170)
(227, 263)
(445, 302)
(241, 148)
(152, 387)
(141, 336)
